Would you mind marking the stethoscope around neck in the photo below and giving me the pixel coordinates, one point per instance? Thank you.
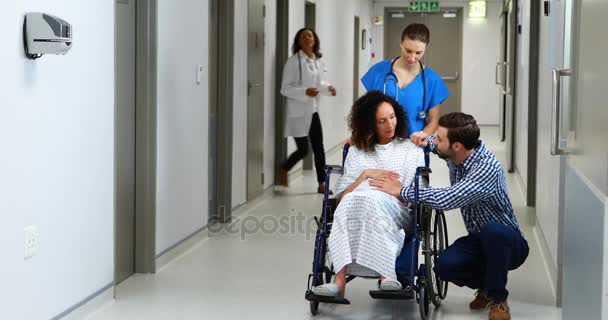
(422, 114)
(300, 65)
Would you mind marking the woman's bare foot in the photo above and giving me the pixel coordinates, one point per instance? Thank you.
(340, 281)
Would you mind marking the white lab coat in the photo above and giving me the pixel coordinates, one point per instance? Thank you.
(301, 107)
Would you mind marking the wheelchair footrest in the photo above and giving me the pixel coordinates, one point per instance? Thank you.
(310, 296)
(392, 294)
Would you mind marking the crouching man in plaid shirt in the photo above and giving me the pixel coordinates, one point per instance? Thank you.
(494, 245)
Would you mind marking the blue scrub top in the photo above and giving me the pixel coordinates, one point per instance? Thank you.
(410, 97)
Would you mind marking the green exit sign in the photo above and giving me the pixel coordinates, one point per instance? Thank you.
(434, 6)
(424, 6)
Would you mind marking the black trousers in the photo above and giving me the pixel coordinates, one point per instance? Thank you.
(315, 134)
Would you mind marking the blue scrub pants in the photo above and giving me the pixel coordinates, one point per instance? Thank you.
(482, 260)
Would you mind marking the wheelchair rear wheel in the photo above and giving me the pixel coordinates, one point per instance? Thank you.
(435, 240)
(440, 242)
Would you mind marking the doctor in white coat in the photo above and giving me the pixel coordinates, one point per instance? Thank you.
(303, 83)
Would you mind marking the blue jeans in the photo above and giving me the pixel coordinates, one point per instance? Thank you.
(482, 260)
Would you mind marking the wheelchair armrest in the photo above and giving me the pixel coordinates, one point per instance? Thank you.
(422, 178)
(425, 171)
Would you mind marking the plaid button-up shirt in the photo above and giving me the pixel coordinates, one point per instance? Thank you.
(478, 187)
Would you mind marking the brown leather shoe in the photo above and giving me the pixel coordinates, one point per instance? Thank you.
(282, 178)
(322, 191)
(481, 300)
(499, 311)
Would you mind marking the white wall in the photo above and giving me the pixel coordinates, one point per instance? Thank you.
(270, 87)
(522, 71)
(335, 27)
(297, 9)
(57, 164)
(183, 124)
(239, 105)
(549, 168)
(480, 53)
(592, 128)
(585, 264)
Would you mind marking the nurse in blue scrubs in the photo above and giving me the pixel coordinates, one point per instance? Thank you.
(420, 91)
(417, 88)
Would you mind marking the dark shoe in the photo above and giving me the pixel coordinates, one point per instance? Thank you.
(499, 311)
(481, 300)
(282, 177)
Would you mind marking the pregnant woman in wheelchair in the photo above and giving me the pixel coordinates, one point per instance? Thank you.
(369, 226)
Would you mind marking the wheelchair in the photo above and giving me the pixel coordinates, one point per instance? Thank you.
(429, 234)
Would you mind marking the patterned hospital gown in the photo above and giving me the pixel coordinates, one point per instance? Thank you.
(368, 227)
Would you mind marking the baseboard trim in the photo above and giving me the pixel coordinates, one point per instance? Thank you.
(523, 188)
(551, 270)
(89, 305)
(180, 248)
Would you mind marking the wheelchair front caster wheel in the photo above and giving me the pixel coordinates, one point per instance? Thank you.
(423, 303)
(314, 308)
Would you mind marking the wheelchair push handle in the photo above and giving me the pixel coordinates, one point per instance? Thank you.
(333, 169)
(423, 171)
(345, 152)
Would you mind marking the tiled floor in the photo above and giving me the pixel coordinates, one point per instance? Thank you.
(255, 272)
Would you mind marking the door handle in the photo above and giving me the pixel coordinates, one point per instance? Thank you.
(455, 77)
(496, 71)
(251, 85)
(556, 112)
(499, 79)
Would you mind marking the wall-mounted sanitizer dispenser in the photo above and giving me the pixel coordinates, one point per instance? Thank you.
(45, 34)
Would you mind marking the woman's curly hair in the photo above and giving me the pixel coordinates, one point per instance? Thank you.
(362, 120)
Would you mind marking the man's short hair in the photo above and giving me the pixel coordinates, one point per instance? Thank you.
(462, 128)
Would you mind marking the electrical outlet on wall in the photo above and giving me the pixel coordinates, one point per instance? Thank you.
(31, 242)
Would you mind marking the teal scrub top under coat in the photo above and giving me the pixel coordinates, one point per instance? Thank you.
(410, 97)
